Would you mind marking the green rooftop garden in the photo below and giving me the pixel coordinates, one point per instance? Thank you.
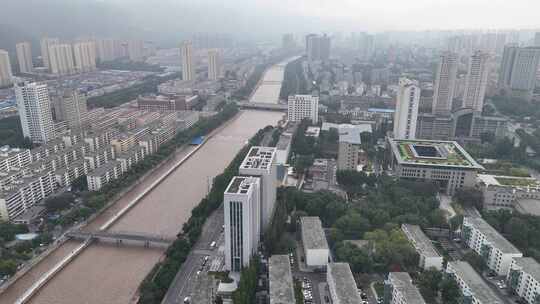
(454, 156)
(518, 182)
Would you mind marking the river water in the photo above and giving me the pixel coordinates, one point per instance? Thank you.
(109, 274)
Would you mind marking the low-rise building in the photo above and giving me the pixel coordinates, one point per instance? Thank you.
(343, 289)
(281, 290)
(131, 157)
(473, 288)
(14, 158)
(186, 119)
(429, 257)
(524, 279)
(399, 289)
(507, 192)
(65, 176)
(496, 251)
(314, 241)
(444, 162)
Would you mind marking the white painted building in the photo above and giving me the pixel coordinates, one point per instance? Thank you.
(99, 177)
(242, 221)
(445, 82)
(407, 103)
(476, 83)
(314, 241)
(509, 192)
(35, 113)
(341, 284)
(61, 59)
(399, 289)
(24, 57)
(188, 65)
(429, 257)
(302, 107)
(6, 74)
(261, 162)
(473, 288)
(496, 251)
(45, 44)
(214, 65)
(85, 56)
(524, 279)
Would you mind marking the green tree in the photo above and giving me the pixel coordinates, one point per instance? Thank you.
(357, 258)
(469, 197)
(428, 283)
(7, 267)
(353, 225)
(59, 202)
(450, 292)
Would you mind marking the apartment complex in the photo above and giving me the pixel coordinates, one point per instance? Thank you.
(35, 113)
(261, 162)
(281, 288)
(314, 241)
(476, 83)
(101, 176)
(495, 250)
(524, 279)
(46, 43)
(71, 107)
(85, 56)
(303, 107)
(399, 289)
(429, 257)
(444, 162)
(518, 70)
(341, 284)
(473, 287)
(407, 103)
(214, 65)
(242, 227)
(349, 145)
(61, 59)
(318, 47)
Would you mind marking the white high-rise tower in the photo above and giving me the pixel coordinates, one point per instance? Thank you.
(445, 82)
(214, 65)
(24, 57)
(85, 56)
(477, 77)
(188, 67)
(35, 113)
(46, 44)
(6, 74)
(406, 115)
(61, 59)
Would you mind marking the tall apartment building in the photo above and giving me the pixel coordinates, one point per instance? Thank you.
(242, 221)
(399, 289)
(473, 287)
(24, 57)
(407, 103)
(188, 65)
(214, 65)
(70, 107)
(476, 83)
(524, 279)
(85, 56)
(317, 47)
(6, 75)
(61, 59)
(107, 49)
(537, 39)
(496, 251)
(135, 50)
(261, 162)
(303, 106)
(287, 41)
(429, 257)
(341, 284)
(349, 145)
(518, 70)
(35, 113)
(46, 43)
(445, 82)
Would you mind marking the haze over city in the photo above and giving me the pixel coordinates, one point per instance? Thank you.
(269, 152)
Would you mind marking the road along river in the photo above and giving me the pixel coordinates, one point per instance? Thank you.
(109, 274)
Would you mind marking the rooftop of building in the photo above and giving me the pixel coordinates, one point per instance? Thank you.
(313, 235)
(437, 153)
(105, 168)
(511, 181)
(528, 206)
(241, 184)
(478, 288)
(259, 158)
(281, 284)
(492, 235)
(402, 281)
(422, 242)
(530, 266)
(346, 290)
(7, 151)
